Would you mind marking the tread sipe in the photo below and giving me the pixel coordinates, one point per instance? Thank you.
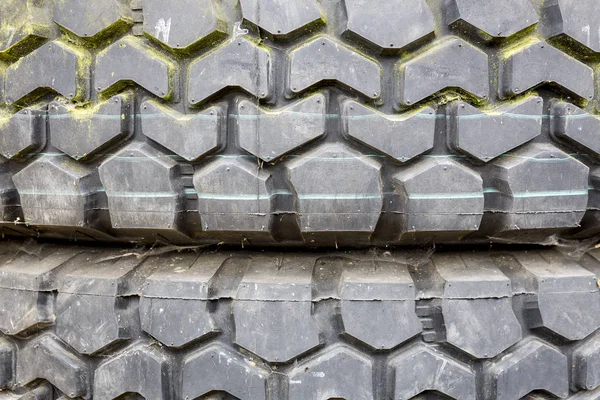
(301, 122)
(97, 323)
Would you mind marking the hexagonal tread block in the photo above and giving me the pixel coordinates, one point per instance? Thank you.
(267, 314)
(586, 364)
(518, 373)
(25, 26)
(575, 126)
(338, 189)
(401, 137)
(183, 25)
(270, 134)
(93, 19)
(174, 302)
(142, 370)
(383, 316)
(576, 23)
(190, 136)
(340, 372)
(538, 187)
(90, 304)
(22, 134)
(222, 68)
(439, 194)
(322, 59)
(45, 357)
(539, 63)
(499, 19)
(282, 19)
(56, 66)
(225, 371)
(452, 63)
(83, 133)
(143, 189)
(389, 25)
(567, 295)
(422, 368)
(25, 300)
(234, 195)
(477, 305)
(58, 191)
(130, 60)
(486, 135)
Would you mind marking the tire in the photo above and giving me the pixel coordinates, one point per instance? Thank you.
(98, 323)
(301, 123)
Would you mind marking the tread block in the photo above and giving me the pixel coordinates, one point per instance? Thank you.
(150, 197)
(89, 315)
(411, 374)
(322, 59)
(138, 63)
(270, 134)
(21, 310)
(82, 133)
(45, 357)
(176, 322)
(7, 362)
(338, 189)
(477, 305)
(486, 135)
(339, 372)
(271, 304)
(538, 187)
(238, 64)
(190, 136)
(382, 316)
(389, 25)
(439, 194)
(174, 302)
(586, 364)
(568, 298)
(56, 66)
(493, 19)
(443, 67)
(223, 370)
(24, 284)
(282, 19)
(234, 195)
(22, 134)
(401, 137)
(57, 191)
(92, 19)
(574, 22)
(575, 125)
(517, 373)
(25, 27)
(183, 25)
(539, 63)
(142, 370)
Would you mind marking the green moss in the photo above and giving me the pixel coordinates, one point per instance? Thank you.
(574, 48)
(5, 118)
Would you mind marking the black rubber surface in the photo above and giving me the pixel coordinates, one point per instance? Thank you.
(299, 123)
(86, 322)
